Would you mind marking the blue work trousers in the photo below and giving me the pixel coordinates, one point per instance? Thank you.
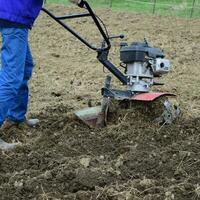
(16, 70)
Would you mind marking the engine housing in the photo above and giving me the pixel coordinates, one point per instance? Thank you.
(142, 64)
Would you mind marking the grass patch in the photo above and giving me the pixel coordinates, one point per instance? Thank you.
(181, 8)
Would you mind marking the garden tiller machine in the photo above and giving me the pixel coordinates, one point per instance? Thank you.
(141, 62)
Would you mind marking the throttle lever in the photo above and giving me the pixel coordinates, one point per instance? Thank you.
(117, 36)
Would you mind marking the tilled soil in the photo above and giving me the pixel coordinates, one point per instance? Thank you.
(132, 158)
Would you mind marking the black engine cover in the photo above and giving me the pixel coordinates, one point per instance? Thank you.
(138, 51)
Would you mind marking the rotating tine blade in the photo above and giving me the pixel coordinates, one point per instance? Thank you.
(96, 116)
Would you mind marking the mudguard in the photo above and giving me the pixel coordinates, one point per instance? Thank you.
(151, 96)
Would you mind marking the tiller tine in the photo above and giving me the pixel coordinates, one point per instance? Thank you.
(165, 111)
(95, 117)
(89, 115)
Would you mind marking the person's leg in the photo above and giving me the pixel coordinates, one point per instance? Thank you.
(19, 106)
(13, 56)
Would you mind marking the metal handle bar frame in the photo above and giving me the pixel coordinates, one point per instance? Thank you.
(103, 51)
(90, 13)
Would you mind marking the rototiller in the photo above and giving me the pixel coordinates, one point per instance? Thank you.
(141, 64)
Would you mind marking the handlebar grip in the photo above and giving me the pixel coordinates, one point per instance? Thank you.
(77, 2)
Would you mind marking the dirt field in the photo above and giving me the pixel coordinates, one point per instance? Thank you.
(129, 160)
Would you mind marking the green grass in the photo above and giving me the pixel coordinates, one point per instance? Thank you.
(163, 7)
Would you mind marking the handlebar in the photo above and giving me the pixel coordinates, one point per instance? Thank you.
(90, 13)
(103, 51)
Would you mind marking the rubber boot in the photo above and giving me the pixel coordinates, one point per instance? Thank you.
(7, 146)
(28, 122)
(32, 122)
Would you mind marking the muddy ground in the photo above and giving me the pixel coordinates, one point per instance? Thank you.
(131, 159)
